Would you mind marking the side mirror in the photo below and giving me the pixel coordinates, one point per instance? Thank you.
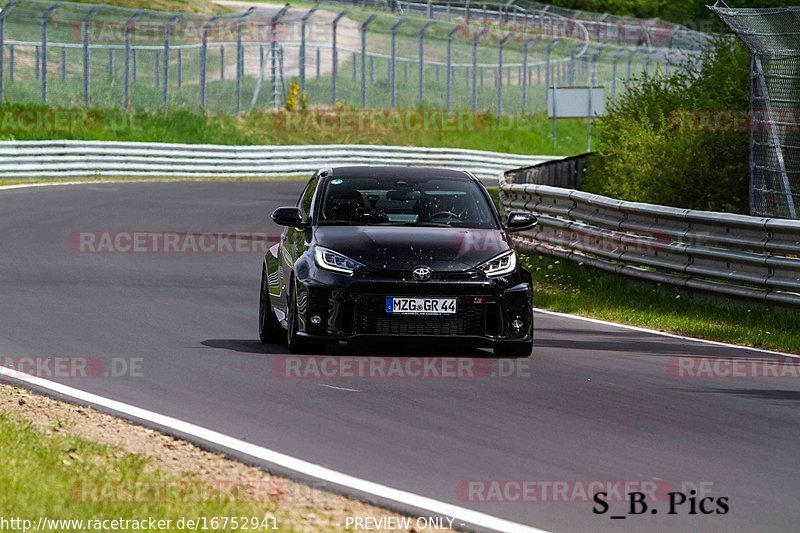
(288, 216)
(520, 221)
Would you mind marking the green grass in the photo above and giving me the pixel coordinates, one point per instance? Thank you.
(65, 477)
(524, 134)
(582, 290)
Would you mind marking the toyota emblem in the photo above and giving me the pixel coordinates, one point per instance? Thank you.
(422, 273)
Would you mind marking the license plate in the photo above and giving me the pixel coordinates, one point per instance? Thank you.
(420, 306)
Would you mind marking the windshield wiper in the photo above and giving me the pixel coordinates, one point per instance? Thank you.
(339, 223)
(399, 223)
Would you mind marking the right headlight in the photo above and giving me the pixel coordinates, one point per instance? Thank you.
(501, 265)
(330, 260)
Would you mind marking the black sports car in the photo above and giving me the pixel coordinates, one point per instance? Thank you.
(374, 253)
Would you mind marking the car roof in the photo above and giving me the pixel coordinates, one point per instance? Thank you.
(365, 171)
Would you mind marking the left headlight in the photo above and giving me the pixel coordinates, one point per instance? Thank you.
(330, 260)
(501, 265)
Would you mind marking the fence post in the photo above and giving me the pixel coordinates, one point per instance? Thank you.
(3, 14)
(222, 62)
(548, 68)
(475, 40)
(10, 64)
(273, 45)
(364, 27)
(448, 70)
(46, 16)
(335, 54)
(204, 57)
(422, 56)
(85, 34)
(156, 70)
(302, 58)
(393, 62)
(180, 67)
(503, 42)
(168, 25)
(525, 74)
(240, 57)
(128, 29)
(614, 75)
(630, 61)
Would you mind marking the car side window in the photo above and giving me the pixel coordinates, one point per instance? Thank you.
(304, 203)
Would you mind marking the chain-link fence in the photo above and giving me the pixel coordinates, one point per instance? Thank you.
(70, 54)
(773, 36)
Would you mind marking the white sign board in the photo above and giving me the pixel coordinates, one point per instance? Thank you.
(575, 102)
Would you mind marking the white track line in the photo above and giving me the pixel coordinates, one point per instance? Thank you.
(661, 333)
(462, 515)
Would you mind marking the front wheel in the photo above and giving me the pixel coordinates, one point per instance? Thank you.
(513, 349)
(269, 330)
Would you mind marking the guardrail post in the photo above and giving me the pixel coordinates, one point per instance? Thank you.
(204, 57)
(364, 27)
(393, 61)
(128, 29)
(3, 14)
(302, 58)
(240, 57)
(168, 25)
(422, 58)
(335, 54)
(46, 16)
(503, 42)
(448, 70)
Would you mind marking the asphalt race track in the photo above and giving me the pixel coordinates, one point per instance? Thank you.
(599, 403)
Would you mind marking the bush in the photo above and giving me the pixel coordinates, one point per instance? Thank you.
(670, 141)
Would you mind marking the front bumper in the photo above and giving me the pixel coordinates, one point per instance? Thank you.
(333, 307)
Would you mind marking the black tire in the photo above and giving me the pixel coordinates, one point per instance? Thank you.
(513, 349)
(296, 343)
(269, 330)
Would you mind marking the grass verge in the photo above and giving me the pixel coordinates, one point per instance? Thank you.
(66, 461)
(524, 134)
(67, 477)
(582, 290)
(100, 179)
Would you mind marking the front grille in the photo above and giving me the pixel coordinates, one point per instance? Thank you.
(372, 318)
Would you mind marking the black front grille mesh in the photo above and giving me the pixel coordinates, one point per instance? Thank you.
(372, 318)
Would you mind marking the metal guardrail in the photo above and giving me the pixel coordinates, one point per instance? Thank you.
(37, 159)
(726, 254)
(567, 172)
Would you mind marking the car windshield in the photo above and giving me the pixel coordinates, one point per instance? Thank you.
(405, 202)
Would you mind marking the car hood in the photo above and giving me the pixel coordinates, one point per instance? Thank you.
(404, 247)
